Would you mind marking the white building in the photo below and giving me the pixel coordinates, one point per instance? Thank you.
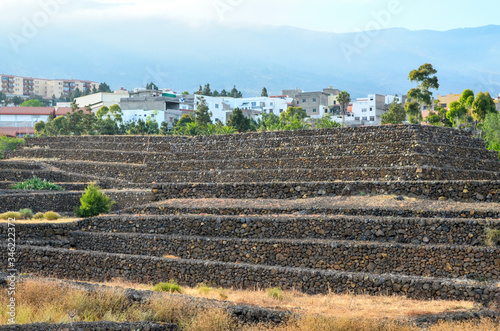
(222, 107)
(98, 100)
(368, 111)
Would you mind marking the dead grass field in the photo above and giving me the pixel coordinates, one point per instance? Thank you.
(46, 301)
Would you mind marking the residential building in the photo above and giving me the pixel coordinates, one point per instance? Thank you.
(20, 121)
(26, 86)
(369, 110)
(98, 100)
(446, 100)
(315, 104)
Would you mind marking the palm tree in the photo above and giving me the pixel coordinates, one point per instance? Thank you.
(344, 99)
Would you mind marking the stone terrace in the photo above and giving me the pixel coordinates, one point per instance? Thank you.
(296, 210)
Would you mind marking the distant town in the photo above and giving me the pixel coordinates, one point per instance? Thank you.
(18, 115)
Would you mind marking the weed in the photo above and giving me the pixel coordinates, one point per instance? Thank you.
(38, 216)
(203, 289)
(492, 237)
(276, 293)
(10, 214)
(37, 184)
(171, 287)
(51, 216)
(26, 213)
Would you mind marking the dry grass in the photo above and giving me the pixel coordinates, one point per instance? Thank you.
(59, 221)
(44, 301)
(333, 305)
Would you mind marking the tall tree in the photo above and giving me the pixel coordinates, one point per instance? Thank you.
(17, 100)
(238, 121)
(104, 88)
(344, 99)
(467, 98)
(207, 91)
(264, 93)
(202, 113)
(3, 98)
(396, 113)
(32, 103)
(426, 80)
(152, 86)
(456, 113)
(483, 105)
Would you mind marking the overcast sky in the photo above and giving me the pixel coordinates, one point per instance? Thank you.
(323, 15)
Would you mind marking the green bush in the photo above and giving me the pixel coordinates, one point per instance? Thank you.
(171, 287)
(10, 214)
(93, 202)
(38, 216)
(26, 213)
(276, 293)
(9, 144)
(37, 184)
(51, 216)
(492, 237)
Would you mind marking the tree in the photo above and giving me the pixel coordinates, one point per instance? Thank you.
(491, 129)
(164, 130)
(32, 103)
(223, 93)
(17, 100)
(93, 202)
(292, 113)
(235, 93)
(326, 123)
(117, 113)
(421, 94)
(77, 93)
(395, 115)
(3, 98)
(94, 90)
(264, 93)
(215, 93)
(343, 99)
(202, 113)
(39, 127)
(456, 113)
(467, 98)
(206, 90)
(152, 86)
(239, 121)
(482, 106)
(104, 88)
(185, 93)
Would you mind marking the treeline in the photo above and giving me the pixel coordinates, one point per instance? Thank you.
(207, 91)
(294, 118)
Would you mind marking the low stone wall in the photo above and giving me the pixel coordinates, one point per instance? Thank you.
(316, 175)
(456, 190)
(40, 231)
(65, 201)
(53, 176)
(359, 161)
(400, 230)
(379, 258)
(89, 326)
(62, 264)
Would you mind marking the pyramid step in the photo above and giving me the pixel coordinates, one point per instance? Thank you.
(101, 267)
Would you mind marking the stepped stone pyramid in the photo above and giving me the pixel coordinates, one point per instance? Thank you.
(266, 210)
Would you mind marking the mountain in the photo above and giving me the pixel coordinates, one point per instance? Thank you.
(180, 56)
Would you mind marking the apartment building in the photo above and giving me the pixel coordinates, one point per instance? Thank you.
(315, 104)
(369, 110)
(98, 100)
(26, 86)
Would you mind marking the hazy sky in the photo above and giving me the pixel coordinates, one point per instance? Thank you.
(323, 15)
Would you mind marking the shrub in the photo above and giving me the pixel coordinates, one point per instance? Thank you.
(203, 289)
(51, 216)
(26, 213)
(93, 202)
(9, 144)
(171, 287)
(276, 293)
(37, 184)
(39, 216)
(10, 214)
(492, 237)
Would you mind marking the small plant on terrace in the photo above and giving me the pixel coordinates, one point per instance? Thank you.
(171, 287)
(492, 237)
(276, 293)
(51, 216)
(37, 184)
(26, 213)
(38, 216)
(93, 202)
(203, 289)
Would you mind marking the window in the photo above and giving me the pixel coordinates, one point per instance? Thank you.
(372, 118)
(365, 118)
(281, 110)
(305, 110)
(444, 105)
(371, 108)
(371, 99)
(334, 102)
(216, 106)
(326, 111)
(303, 100)
(356, 118)
(314, 99)
(254, 104)
(314, 110)
(363, 110)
